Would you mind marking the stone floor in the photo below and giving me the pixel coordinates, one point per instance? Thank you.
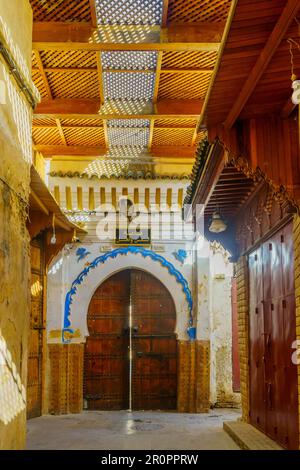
(120, 430)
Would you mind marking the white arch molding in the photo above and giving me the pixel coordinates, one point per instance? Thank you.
(86, 290)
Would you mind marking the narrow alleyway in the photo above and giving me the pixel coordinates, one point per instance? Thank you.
(120, 430)
(149, 226)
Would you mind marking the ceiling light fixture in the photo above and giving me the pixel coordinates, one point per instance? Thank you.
(217, 224)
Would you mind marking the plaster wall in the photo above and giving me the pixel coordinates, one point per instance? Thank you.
(222, 394)
(15, 159)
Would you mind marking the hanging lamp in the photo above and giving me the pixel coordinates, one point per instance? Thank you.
(217, 224)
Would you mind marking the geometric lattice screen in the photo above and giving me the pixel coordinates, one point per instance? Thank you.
(133, 12)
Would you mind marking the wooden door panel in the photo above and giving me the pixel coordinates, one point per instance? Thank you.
(154, 351)
(288, 260)
(273, 386)
(36, 331)
(106, 370)
(107, 306)
(256, 350)
(154, 344)
(113, 325)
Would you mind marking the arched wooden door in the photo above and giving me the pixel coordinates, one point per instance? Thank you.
(131, 353)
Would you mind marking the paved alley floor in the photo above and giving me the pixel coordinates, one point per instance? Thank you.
(139, 430)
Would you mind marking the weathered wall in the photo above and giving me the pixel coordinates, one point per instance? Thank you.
(222, 394)
(15, 157)
(214, 321)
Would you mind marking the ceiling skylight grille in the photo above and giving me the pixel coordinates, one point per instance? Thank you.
(128, 123)
(129, 12)
(128, 137)
(128, 86)
(129, 60)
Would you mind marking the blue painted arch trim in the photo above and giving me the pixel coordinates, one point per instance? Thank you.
(111, 255)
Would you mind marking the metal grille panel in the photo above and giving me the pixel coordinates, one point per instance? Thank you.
(129, 60)
(128, 123)
(129, 12)
(136, 137)
(128, 86)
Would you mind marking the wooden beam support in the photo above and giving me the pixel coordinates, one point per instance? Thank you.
(43, 74)
(75, 126)
(151, 134)
(38, 202)
(288, 14)
(100, 77)
(157, 78)
(288, 108)
(74, 32)
(202, 36)
(61, 131)
(94, 69)
(89, 109)
(69, 106)
(164, 151)
(105, 46)
(37, 222)
(105, 133)
(61, 150)
(93, 13)
(165, 13)
(195, 33)
(61, 239)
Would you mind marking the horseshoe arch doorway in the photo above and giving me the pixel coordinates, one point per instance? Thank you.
(130, 359)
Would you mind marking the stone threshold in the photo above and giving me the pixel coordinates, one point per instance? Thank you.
(247, 437)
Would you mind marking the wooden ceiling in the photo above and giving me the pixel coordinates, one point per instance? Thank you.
(113, 75)
(254, 76)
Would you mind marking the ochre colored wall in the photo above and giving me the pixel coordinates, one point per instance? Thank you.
(243, 332)
(193, 376)
(15, 155)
